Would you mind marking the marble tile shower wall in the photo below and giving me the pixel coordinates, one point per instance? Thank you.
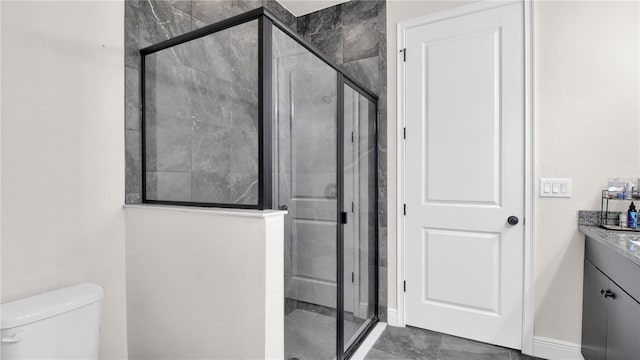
(353, 35)
(201, 125)
(148, 22)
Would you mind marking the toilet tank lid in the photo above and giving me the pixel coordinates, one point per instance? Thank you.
(38, 307)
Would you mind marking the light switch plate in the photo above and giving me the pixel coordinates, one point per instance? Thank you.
(555, 187)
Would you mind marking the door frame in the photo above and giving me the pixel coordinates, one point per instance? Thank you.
(529, 175)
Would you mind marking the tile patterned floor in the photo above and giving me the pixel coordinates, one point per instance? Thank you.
(412, 344)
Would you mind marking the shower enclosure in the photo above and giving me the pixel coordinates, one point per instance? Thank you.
(246, 114)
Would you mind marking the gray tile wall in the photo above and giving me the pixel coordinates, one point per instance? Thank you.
(151, 21)
(353, 35)
(202, 119)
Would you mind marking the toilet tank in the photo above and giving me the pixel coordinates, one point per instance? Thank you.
(61, 324)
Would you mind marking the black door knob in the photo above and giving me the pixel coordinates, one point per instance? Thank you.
(609, 294)
(513, 220)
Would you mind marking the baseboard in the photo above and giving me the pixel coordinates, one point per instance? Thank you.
(553, 349)
(392, 317)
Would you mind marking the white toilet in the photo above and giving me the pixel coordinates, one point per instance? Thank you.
(61, 324)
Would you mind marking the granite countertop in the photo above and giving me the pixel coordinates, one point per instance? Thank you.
(619, 241)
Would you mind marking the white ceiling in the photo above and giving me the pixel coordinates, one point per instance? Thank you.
(303, 7)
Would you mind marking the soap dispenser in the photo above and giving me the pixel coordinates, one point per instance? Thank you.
(632, 216)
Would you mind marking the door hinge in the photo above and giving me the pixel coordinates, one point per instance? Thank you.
(353, 207)
(404, 54)
(352, 136)
(404, 135)
(353, 277)
(404, 209)
(405, 285)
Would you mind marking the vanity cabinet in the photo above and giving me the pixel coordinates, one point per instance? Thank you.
(623, 326)
(610, 315)
(594, 314)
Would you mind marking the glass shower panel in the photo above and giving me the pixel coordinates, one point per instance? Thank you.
(201, 119)
(359, 201)
(305, 138)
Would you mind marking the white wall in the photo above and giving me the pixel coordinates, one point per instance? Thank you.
(205, 284)
(587, 128)
(62, 150)
(587, 118)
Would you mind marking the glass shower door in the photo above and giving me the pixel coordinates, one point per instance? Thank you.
(305, 130)
(359, 202)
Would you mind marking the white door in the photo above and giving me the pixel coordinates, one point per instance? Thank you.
(464, 175)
